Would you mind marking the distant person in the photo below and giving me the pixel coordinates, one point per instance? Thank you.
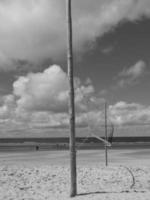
(37, 147)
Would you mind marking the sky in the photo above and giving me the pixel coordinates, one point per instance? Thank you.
(111, 63)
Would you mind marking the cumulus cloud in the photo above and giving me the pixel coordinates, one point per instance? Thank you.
(120, 114)
(123, 113)
(48, 90)
(42, 98)
(49, 120)
(131, 75)
(7, 107)
(34, 30)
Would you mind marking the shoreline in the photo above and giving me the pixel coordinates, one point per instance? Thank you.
(13, 147)
(84, 157)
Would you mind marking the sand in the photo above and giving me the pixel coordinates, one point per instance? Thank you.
(43, 180)
(52, 182)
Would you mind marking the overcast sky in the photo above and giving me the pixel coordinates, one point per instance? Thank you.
(111, 63)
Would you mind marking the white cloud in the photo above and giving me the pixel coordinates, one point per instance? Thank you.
(131, 75)
(31, 30)
(35, 30)
(43, 98)
(135, 71)
(129, 113)
(47, 90)
(49, 120)
(121, 113)
(8, 105)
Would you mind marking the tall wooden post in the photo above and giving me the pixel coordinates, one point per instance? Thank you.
(73, 189)
(106, 149)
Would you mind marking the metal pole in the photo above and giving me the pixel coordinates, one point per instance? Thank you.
(106, 149)
(73, 189)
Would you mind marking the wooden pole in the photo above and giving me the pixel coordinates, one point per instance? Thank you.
(73, 188)
(106, 149)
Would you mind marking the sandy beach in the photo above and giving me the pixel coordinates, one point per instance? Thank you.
(46, 175)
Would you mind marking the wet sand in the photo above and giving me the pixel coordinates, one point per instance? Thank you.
(91, 157)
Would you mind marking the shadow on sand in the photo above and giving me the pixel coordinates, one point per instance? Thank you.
(111, 192)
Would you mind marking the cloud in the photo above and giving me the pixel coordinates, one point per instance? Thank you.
(131, 75)
(134, 71)
(7, 107)
(107, 50)
(123, 113)
(42, 98)
(48, 90)
(31, 30)
(35, 30)
(49, 120)
(120, 114)
(91, 114)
